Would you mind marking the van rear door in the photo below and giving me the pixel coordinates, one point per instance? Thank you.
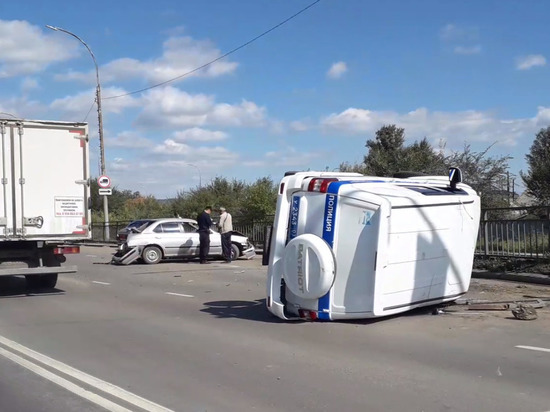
(328, 229)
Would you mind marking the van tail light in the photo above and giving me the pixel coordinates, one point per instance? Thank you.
(308, 314)
(66, 250)
(319, 184)
(281, 188)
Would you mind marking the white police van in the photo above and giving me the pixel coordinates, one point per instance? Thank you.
(348, 246)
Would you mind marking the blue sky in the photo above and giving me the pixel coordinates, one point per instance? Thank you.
(306, 96)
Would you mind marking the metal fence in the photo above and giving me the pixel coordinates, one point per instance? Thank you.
(255, 230)
(518, 232)
(98, 230)
(504, 232)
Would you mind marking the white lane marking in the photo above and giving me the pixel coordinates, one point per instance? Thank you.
(88, 379)
(64, 383)
(179, 294)
(91, 256)
(100, 283)
(533, 348)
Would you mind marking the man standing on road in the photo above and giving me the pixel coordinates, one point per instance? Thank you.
(225, 227)
(204, 222)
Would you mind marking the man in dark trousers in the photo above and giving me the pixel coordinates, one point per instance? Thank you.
(204, 222)
(225, 227)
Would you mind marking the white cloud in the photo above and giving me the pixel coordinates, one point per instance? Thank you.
(190, 153)
(467, 50)
(129, 140)
(180, 55)
(452, 127)
(171, 107)
(452, 33)
(28, 84)
(245, 114)
(542, 119)
(171, 147)
(460, 39)
(300, 125)
(287, 156)
(25, 49)
(528, 62)
(79, 104)
(337, 70)
(199, 135)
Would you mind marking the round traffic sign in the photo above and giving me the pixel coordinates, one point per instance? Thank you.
(104, 181)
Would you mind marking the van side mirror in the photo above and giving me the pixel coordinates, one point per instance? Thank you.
(455, 176)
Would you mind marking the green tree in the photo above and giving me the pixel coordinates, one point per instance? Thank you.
(537, 178)
(485, 174)
(387, 155)
(260, 199)
(116, 202)
(219, 192)
(143, 207)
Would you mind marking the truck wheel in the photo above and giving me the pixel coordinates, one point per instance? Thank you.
(235, 251)
(151, 255)
(48, 281)
(41, 281)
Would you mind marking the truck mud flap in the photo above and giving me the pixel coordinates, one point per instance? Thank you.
(125, 259)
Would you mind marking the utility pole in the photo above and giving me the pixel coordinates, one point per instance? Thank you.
(106, 234)
(198, 170)
(508, 186)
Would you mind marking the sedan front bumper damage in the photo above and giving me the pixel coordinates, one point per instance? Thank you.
(126, 256)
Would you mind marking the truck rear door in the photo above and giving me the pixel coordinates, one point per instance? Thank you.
(45, 176)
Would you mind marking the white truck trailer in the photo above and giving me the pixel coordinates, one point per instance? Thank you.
(348, 246)
(44, 197)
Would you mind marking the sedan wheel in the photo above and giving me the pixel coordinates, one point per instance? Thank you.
(151, 255)
(235, 251)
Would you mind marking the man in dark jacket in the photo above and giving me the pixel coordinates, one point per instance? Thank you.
(204, 222)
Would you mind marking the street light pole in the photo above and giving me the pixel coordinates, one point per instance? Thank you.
(100, 121)
(199, 170)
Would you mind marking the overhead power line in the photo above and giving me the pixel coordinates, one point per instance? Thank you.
(219, 58)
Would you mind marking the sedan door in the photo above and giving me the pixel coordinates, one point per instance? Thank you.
(192, 242)
(171, 237)
(215, 243)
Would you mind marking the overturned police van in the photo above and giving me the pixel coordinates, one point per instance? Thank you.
(348, 246)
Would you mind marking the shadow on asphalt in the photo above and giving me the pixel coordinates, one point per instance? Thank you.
(257, 311)
(433, 310)
(16, 287)
(241, 309)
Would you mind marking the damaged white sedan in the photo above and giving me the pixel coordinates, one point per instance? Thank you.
(176, 238)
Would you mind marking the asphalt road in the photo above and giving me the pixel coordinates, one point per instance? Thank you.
(189, 337)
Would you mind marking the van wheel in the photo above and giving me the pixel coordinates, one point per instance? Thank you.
(151, 255)
(235, 251)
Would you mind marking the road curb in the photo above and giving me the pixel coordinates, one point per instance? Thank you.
(514, 277)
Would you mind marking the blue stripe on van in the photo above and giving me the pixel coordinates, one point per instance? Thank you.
(331, 203)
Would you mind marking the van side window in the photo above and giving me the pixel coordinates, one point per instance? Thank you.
(436, 191)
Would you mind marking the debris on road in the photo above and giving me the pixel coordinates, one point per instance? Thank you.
(524, 312)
